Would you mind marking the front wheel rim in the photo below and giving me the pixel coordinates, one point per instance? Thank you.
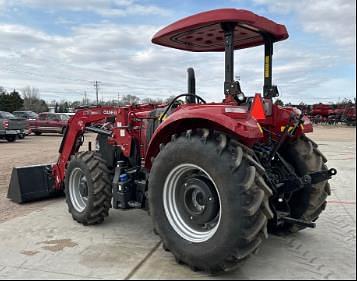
(192, 203)
(78, 190)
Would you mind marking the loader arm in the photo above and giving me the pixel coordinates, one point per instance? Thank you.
(72, 138)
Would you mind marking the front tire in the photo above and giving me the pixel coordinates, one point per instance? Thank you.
(208, 235)
(88, 188)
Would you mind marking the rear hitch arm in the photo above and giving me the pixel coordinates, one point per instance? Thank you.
(295, 183)
(321, 176)
(299, 222)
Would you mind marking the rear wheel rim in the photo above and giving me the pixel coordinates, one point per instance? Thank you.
(192, 203)
(78, 190)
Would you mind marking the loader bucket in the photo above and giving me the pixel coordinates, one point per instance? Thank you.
(31, 183)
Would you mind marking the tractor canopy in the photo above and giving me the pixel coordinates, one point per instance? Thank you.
(203, 32)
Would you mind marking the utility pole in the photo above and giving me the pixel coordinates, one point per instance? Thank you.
(96, 85)
(85, 101)
(118, 98)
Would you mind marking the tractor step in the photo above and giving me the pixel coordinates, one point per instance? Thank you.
(32, 183)
(299, 222)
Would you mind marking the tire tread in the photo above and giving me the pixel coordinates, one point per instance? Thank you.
(255, 198)
(102, 192)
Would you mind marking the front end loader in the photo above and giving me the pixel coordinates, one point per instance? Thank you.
(216, 178)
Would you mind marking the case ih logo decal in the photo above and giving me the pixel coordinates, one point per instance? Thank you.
(110, 112)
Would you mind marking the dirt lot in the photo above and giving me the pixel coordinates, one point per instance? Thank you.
(40, 240)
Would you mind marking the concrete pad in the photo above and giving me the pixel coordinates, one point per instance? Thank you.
(328, 252)
(16, 273)
(51, 241)
(342, 156)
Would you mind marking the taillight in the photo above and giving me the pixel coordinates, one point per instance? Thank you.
(5, 124)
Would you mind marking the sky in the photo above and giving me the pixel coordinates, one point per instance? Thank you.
(63, 46)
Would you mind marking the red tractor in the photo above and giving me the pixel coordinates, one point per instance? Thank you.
(216, 178)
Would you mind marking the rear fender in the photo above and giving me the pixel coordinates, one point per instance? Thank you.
(281, 117)
(244, 127)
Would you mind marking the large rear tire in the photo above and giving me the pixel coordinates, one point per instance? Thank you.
(208, 200)
(306, 204)
(88, 188)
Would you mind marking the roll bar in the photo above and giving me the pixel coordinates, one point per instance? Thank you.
(231, 87)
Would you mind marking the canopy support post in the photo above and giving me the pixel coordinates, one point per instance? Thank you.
(268, 67)
(229, 84)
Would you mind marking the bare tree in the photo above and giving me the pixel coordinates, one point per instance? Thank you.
(152, 100)
(279, 102)
(170, 99)
(31, 96)
(32, 100)
(130, 99)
